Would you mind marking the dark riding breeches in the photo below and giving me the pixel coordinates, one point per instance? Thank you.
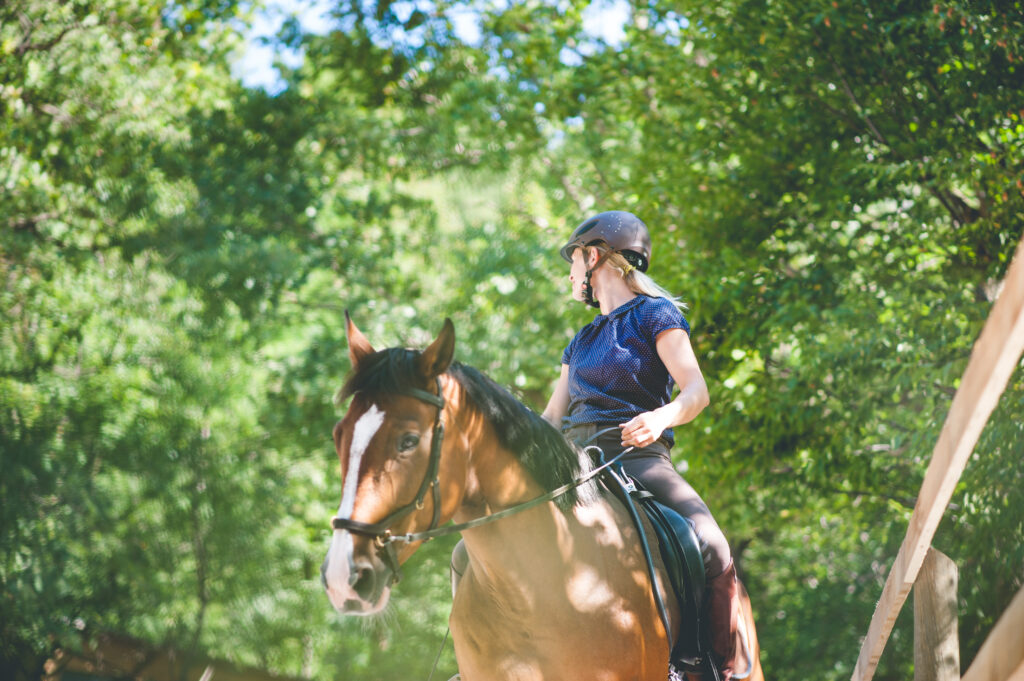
(653, 467)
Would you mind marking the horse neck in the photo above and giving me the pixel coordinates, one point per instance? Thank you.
(495, 479)
(532, 541)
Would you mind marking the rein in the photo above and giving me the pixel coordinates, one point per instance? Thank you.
(381, 531)
(511, 510)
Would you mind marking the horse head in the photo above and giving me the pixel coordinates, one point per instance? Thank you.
(389, 445)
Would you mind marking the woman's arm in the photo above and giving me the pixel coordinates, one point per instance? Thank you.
(559, 402)
(675, 351)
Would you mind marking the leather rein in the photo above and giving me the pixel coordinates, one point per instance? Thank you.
(381, 532)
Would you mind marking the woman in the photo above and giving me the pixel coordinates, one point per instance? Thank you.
(619, 370)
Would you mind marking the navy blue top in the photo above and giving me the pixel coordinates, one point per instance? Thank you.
(614, 369)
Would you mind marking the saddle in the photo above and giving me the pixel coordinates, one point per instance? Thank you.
(681, 555)
(691, 652)
(680, 552)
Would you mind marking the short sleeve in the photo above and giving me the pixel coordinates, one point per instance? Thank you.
(661, 314)
(567, 353)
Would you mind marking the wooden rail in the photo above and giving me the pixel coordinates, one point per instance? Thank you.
(1001, 657)
(993, 359)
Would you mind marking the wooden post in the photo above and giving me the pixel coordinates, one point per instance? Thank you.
(936, 642)
(993, 359)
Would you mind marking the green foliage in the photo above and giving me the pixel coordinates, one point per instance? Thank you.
(836, 189)
(833, 187)
(134, 470)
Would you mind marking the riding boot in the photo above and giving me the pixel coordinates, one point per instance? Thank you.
(723, 614)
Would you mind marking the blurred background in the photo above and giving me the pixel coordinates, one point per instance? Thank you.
(193, 191)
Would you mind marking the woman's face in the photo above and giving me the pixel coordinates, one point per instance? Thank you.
(577, 274)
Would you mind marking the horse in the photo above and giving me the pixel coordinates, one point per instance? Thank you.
(556, 591)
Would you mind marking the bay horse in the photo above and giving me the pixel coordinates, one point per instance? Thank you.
(557, 592)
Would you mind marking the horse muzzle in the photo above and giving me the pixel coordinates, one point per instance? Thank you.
(356, 583)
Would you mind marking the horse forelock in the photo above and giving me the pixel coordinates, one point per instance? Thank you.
(386, 371)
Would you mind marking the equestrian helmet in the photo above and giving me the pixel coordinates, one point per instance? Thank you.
(622, 231)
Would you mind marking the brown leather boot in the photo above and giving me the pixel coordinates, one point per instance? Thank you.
(723, 613)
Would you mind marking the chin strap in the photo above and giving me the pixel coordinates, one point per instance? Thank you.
(588, 289)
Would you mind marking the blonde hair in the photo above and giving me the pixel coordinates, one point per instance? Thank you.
(638, 282)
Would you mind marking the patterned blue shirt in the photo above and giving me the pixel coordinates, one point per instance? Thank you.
(614, 369)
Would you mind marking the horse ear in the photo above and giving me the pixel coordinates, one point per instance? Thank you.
(435, 360)
(358, 347)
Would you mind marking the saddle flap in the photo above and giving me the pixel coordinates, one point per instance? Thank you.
(680, 552)
(683, 561)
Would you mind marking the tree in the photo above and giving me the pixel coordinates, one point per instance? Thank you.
(833, 188)
(130, 440)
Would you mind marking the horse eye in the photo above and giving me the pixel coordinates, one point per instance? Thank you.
(407, 442)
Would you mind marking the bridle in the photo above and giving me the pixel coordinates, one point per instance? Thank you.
(380, 531)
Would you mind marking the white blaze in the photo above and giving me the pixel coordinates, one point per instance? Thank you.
(339, 555)
(366, 427)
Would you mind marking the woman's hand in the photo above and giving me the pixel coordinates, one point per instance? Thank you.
(643, 429)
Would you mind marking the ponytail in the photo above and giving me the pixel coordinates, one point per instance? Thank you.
(639, 282)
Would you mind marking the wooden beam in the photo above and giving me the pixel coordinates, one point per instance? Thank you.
(936, 641)
(993, 359)
(1001, 657)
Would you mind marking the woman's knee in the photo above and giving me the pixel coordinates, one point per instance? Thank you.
(714, 546)
(659, 476)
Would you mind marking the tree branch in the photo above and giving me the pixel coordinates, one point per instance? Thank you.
(879, 137)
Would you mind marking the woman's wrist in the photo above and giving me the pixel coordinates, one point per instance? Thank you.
(668, 415)
(679, 411)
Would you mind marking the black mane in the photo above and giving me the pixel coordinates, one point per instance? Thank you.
(540, 447)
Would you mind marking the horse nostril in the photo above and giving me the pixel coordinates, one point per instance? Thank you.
(363, 582)
(323, 573)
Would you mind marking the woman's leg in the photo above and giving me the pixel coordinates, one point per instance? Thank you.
(661, 479)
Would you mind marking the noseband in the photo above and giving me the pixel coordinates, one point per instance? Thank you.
(381, 530)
